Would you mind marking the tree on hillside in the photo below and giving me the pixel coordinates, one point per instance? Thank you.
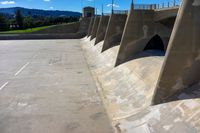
(3, 23)
(28, 21)
(19, 19)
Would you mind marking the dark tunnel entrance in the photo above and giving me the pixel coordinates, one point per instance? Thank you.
(155, 43)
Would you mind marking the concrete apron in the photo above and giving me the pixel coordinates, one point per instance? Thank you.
(127, 92)
(138, 84)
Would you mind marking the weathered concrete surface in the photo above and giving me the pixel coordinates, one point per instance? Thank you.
(46, 87)
(127, 92)
(95, 27)
(140, 28)
(114, 30)
(95, 59)
(101, 32)
(90, 27)
(181, 68)
(137, 78)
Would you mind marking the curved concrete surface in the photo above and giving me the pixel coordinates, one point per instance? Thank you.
(96, 59)
(127, 92)
(137, 78)
(129, 89)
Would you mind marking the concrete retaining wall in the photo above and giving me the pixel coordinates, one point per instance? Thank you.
(114, 30)
(95, 27)
(102, 29)
(84, 25)
(66, 31)
(60, 29)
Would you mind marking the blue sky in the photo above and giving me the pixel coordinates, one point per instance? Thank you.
(73, 5)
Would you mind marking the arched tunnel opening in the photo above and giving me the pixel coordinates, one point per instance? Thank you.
(155, 43)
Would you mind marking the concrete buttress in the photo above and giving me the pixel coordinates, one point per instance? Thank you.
(182, 63)
(102, 29)
(90, 26)
(95, 27)
(114, 30)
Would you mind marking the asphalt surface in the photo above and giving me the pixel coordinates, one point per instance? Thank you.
(46, 87)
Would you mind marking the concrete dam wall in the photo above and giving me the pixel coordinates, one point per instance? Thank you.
(146, 72)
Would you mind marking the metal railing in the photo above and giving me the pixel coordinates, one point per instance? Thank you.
(166, 4)
(106, 14)
(169, 4)
(120, 11)
(144, 6)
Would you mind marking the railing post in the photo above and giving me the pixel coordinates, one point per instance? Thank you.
(168, 5)
(174, 2)
(112, 6)
(163, 5)
(155, 6)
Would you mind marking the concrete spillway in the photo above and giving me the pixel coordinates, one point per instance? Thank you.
(150, 91)
(127, 93)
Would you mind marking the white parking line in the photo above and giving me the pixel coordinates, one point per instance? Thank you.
(22, 68)
(4, 85)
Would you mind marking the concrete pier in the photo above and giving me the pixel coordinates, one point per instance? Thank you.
(102, 29)
(140, 28)
(90, 27)
(95, 27)
(114, 31)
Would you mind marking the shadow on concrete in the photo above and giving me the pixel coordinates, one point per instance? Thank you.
(146, 53)
(192, 92)
(155, 43)
(113, 41)
(154, 46)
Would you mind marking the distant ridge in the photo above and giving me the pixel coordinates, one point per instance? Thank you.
(38, 12)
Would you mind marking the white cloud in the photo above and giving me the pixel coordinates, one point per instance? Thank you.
(114, 5)
(51, 7)
(46, 0)
(7, 2)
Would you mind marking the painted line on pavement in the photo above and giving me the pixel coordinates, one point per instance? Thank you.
(22, 68)
(4, 85)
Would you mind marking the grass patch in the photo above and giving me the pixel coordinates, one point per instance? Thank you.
(25, 30)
